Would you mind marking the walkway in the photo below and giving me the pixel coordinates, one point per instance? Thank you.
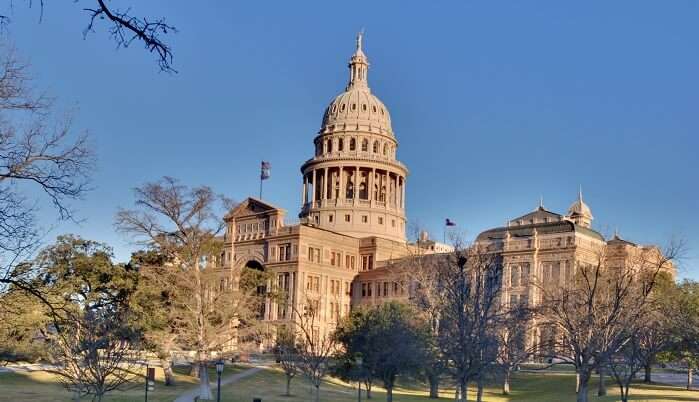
(189, 395)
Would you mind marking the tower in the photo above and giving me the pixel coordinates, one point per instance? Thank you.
(354, 184)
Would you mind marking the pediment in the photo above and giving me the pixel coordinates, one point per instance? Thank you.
(252, 207)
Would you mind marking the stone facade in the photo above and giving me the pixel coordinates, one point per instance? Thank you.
(353, 224)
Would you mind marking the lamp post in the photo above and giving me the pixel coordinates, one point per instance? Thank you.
(358, 359)
(219, 371)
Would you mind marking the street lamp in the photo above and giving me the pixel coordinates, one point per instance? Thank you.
(219, 371)
(358, 359)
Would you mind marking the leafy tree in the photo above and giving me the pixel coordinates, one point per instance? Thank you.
(374, 333)
(89, 340)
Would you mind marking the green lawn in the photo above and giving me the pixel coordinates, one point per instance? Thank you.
(538, 387)
(269, 385)
(42, 387)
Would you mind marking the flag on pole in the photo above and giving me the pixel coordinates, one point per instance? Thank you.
(448, 222)
(265, 168)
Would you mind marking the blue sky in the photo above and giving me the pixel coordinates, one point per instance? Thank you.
(494, 105)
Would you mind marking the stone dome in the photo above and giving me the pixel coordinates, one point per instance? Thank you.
(580, 208)
(357, 107)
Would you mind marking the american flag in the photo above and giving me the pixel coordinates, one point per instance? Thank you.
(265, 168)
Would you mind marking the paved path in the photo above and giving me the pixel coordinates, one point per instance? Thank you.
(189, 395)
(676, 379)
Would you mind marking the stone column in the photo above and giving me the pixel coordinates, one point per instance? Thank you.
(342, 184)
(356, 185)
(402, 198)
(371, 187)
(313, 193)
(303, 191)
(324, 193)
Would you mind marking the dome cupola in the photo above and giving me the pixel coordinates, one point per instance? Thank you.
(357, 107)
(580, 213)
(354, 184)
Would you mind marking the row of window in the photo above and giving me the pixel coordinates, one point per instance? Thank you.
(327, 146)
(383, 289)
(336, 259)
(337, 287)
(365, 219)
(353, 106)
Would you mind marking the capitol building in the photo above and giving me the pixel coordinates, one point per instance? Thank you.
(353, 223)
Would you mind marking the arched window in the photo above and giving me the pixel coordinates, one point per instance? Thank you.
(340, 144)
(330, 145)
(353, 144)
(365, 145)
(376, 147)
(385, 149)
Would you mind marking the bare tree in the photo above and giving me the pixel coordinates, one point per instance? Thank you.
(589, 319)
(467, 297)
(285, 350)
(208, 305)
(123, 26)
(93, 353)
(512, 342)
(315, 348)
(37, 152)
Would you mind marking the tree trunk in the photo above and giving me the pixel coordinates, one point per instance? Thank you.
(577, 382)
(506, 383)
(582, 387)
(288, 386)
(462, 391)
(434, 386)
(479, 395)
(194, 369)
(601, 387)
(389, 393)
(166, 363)
(317, 395)
(367, 385)
(204, 386)
(690, 373)
(647, 376)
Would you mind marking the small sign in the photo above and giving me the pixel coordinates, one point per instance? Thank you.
(151, 374)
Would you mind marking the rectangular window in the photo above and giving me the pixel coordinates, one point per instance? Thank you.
(347, 218)
(365, 219)
(385, 289)
(364, 289)
(380, 220)
(285, 252)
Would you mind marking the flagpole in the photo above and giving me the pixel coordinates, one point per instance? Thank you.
(261, 187)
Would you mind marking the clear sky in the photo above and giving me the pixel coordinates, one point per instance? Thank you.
(494, 105)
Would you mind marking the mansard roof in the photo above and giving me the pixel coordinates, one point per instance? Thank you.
(252, 206)
(539, 215)
(563, 226)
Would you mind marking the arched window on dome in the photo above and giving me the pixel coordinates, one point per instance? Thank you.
(340, 144)
(375, 148)
(330, 145)
(365, 145)
(385, 149)
(353, 144)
